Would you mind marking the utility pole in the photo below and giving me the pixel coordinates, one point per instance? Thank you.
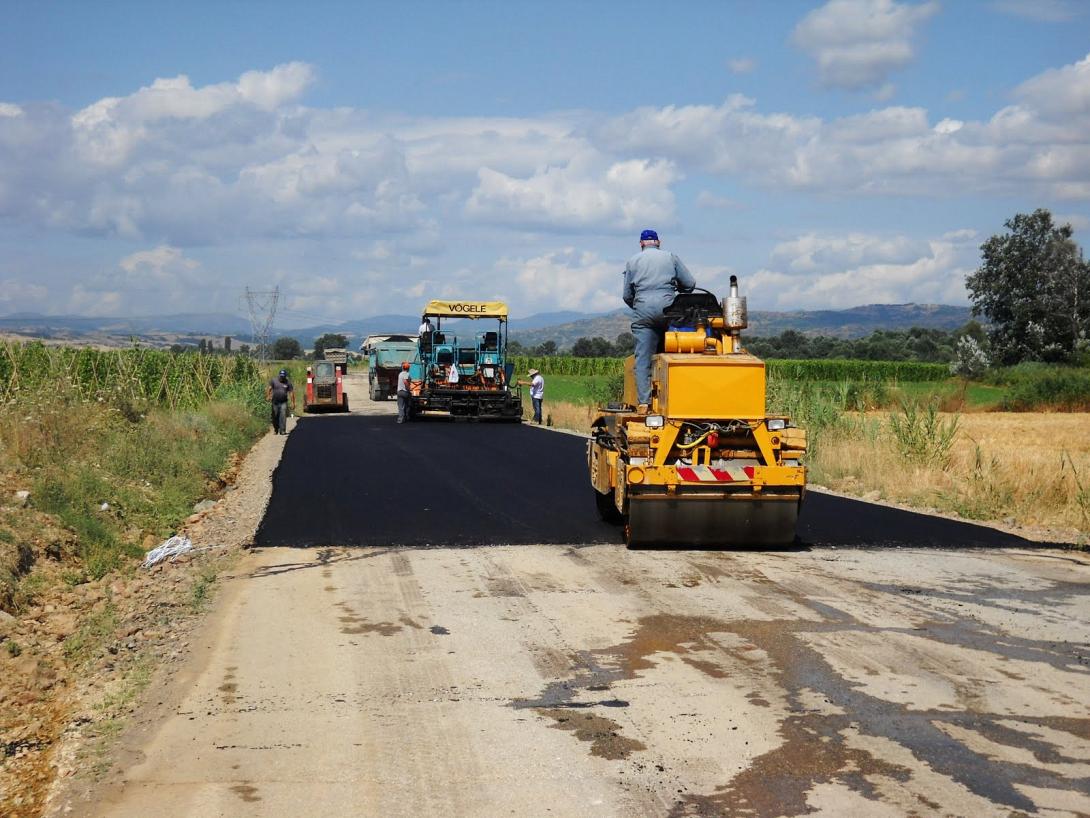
(262, 307)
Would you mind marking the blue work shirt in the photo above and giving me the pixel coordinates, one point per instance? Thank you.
(652, 278)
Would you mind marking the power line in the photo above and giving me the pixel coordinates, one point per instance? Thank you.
(262, 307)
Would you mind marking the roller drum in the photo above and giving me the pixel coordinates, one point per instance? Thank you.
(685, 521)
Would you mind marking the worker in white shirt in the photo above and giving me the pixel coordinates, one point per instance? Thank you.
(537, 392)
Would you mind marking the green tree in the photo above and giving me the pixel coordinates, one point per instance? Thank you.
(330, 340)
(1033, 286)
(286, 348)
(625, 345)
(546, 349)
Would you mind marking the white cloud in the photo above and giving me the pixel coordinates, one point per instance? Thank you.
(586, 193)
(1059, 92)
(162, 275)
(710, 201)
(567, 279)
(1039, 145)
(162, 262)
(1045, 11)
(741, 65)
(837, 271)
(857, 44)
(398, 208)
(22, 295)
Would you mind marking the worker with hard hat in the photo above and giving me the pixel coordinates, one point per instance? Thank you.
(404, 392)
(652, 278)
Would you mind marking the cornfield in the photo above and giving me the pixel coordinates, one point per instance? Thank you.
(153, 376)
(809, 370)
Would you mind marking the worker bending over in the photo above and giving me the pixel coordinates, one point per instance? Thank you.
(652, 278)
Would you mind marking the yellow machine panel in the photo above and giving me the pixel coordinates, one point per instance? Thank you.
(629, 395)
(695, 387)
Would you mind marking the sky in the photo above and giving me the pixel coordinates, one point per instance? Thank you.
(160, 158)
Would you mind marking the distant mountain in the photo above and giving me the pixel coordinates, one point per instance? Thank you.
(357, 330)
(856, 322)
(79, 326)
(563, 327)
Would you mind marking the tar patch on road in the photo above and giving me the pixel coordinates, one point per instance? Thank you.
(367, 481)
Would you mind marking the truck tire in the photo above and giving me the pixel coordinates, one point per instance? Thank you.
(373, 392)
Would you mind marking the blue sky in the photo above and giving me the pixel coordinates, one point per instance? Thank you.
(364, 157)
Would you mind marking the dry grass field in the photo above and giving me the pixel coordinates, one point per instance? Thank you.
(1025, 469)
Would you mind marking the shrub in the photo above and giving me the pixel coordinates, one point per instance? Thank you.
(1044, 386)
(921, 436)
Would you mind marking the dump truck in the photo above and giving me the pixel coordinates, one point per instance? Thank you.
(385, 354)
(704, 464)
(325, 388)
(480, 386)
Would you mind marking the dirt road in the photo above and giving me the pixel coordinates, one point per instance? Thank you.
(578, 679)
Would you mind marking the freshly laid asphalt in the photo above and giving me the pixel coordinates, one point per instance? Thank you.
(367, 481)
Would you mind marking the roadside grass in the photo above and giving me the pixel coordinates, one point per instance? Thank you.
(96, 757)
(114, 474)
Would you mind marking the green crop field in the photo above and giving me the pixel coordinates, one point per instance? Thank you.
(809, 370)
(151, 376)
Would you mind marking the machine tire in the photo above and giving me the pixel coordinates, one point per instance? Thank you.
(372, 391)
(607, 509)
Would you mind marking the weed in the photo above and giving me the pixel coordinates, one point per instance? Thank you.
(6, 536)
(1082, 495)
(73, 578)
(91, 635)
(14, 649)
(923, 437)
(202, 589)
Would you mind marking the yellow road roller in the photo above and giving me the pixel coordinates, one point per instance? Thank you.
(703, 464)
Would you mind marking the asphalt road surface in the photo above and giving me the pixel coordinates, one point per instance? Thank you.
(368, 481)
(569, 676)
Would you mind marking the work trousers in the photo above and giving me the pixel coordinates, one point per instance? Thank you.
(403, 399)
(650, 334)
(537, 409)
(280, 418)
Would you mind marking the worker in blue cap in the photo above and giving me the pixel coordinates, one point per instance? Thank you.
(278, 392)
(652, 278)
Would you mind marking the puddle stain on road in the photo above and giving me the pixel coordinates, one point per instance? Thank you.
(603, 734)
(815, 747)
(229, 686)
(246, 791)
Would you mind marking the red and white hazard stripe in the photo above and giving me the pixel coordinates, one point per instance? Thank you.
(706, 474)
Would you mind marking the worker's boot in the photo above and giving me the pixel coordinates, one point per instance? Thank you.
(642, 409)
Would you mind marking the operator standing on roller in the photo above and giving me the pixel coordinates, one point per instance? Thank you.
(652, 278)
(404, 392)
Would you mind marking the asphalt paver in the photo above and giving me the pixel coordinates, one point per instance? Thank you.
(369, 481)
